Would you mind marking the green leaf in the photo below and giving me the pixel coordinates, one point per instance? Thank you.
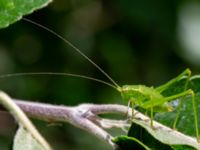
(185, 123)
(163, 139)
(186, 120)
(194, 84)
(13, 10)
(142, 135)
(136, 132)
(127, 143)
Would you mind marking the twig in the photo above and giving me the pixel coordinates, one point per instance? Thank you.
(85, 117)
(76, 116)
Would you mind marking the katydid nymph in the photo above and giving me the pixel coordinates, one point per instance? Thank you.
(148, 98)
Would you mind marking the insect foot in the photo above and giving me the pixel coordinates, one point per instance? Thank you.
(152, 126)
(174, 128)
(147, 120)
(195, 114)
(198, 140)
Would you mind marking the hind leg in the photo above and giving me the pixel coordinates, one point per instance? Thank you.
(188, 92)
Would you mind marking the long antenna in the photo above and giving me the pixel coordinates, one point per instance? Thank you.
(56, 74)
(75, 48)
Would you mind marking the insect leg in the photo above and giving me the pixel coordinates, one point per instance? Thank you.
(188, 92)
(129, 103)
(133, 105)
(151, 112)
(195, 116)
(181, 103)
(187, 73)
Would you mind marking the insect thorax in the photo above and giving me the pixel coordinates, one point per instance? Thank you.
(139, 93)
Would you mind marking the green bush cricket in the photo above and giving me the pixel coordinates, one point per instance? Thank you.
(149, 98)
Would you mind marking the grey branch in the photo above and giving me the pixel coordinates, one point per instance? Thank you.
(85, 116)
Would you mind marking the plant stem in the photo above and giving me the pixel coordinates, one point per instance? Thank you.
(85, 116)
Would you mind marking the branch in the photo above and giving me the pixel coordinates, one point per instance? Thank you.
(76, 116)
(85, 116)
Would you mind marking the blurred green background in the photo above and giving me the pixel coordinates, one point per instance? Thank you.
(135, 42)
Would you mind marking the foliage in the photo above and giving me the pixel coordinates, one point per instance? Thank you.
(185, 123)
(13, 10)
